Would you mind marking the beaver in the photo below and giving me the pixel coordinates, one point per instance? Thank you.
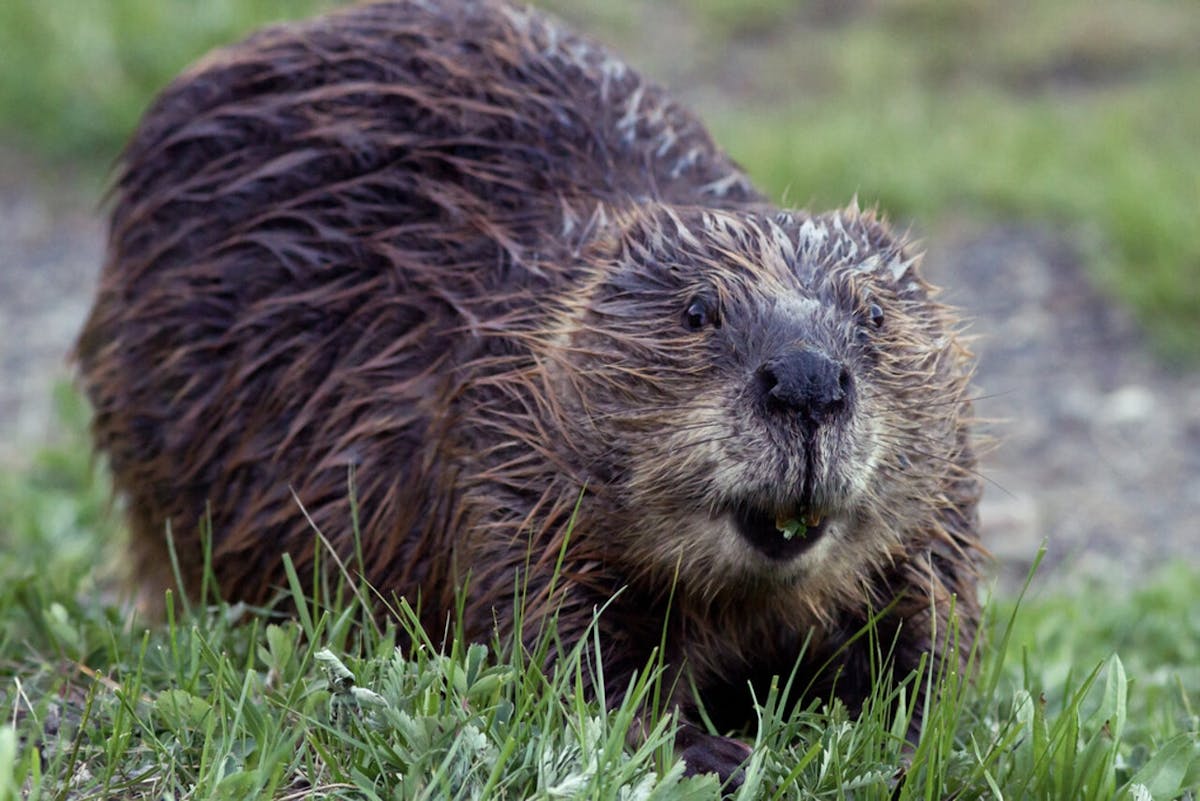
(564, 346)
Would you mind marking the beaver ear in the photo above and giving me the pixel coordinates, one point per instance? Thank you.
(898, 255)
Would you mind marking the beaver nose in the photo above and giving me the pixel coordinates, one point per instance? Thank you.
(805, 383)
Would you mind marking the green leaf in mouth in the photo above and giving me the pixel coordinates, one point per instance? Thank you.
(791, 528)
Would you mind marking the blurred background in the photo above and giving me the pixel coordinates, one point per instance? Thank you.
(1047, 154)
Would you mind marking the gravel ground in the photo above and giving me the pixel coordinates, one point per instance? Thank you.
(50, 250)
(1098, 447)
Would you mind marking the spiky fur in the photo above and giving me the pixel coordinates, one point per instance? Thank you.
(448, 245)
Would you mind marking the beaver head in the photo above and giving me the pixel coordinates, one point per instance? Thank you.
(748, 389)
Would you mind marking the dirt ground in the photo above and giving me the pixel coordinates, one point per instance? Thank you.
(51, 241)
(1097, 447)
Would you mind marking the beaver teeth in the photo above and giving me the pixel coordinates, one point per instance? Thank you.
(812, 519)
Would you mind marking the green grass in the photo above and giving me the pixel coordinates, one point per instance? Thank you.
(75, 76)
(1087, 696)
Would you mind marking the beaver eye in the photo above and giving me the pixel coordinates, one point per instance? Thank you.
(875, 314)
(871, 319)
(700, 313)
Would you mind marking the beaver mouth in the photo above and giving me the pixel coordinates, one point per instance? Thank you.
(780, 534)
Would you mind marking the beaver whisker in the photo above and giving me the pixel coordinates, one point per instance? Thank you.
(955, 467)
(916, 406)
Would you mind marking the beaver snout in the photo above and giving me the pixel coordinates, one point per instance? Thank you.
(804, 384)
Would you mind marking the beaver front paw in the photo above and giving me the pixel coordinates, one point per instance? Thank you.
(708, 753)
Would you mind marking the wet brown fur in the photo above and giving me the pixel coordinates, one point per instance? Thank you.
(414, 239)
